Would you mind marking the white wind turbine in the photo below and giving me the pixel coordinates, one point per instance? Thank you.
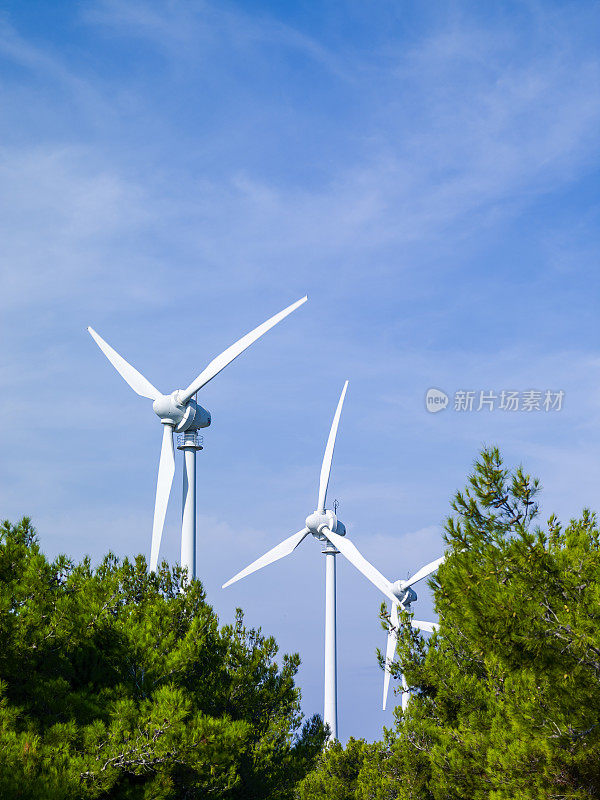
(399, 592)
(178, 412)
(324, 526)
(402, 597)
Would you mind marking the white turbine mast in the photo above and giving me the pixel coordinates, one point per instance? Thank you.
(179, 413)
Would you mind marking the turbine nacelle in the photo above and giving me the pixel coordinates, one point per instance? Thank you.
(404, 593)
(183, 416)
(319, 522)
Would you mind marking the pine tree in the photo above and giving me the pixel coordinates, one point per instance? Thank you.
(335, 776)
(118, 683)
(507, 693)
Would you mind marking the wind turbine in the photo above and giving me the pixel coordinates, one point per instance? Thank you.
(399, 592)
(323, 525)
(326, 528)
(403, 597)
(178, 412)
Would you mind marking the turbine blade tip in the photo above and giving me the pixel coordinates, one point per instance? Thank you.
(298, 303)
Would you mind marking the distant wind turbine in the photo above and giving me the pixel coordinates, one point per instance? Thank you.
(399, 592)
(402, 597)
(178, 412)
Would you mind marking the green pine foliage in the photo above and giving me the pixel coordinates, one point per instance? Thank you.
(507, 693)
(336, 774)
(119, 683)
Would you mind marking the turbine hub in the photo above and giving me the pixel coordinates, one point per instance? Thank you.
(318, 521)
(405, 594)
(183, 416)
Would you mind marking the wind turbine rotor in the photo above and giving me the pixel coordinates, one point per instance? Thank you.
(404, 597)
(178, 411)
(320, 522)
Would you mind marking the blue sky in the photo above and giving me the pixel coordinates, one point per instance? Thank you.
(174, 173)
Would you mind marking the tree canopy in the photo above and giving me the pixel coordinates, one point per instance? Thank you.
(119, 683)
(506, 696)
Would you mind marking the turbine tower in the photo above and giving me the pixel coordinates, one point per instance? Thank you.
(178, 412)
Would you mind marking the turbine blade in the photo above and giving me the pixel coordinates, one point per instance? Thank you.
(405, 693)
(391, 651)
(220, 362)
(130, 374)
(279, 551)
(360, 562)
(428, 627)
(166, 470)
(328, 457)
(423, 572)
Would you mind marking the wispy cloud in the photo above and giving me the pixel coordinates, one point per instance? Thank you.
(181, 30)
(483, 138)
